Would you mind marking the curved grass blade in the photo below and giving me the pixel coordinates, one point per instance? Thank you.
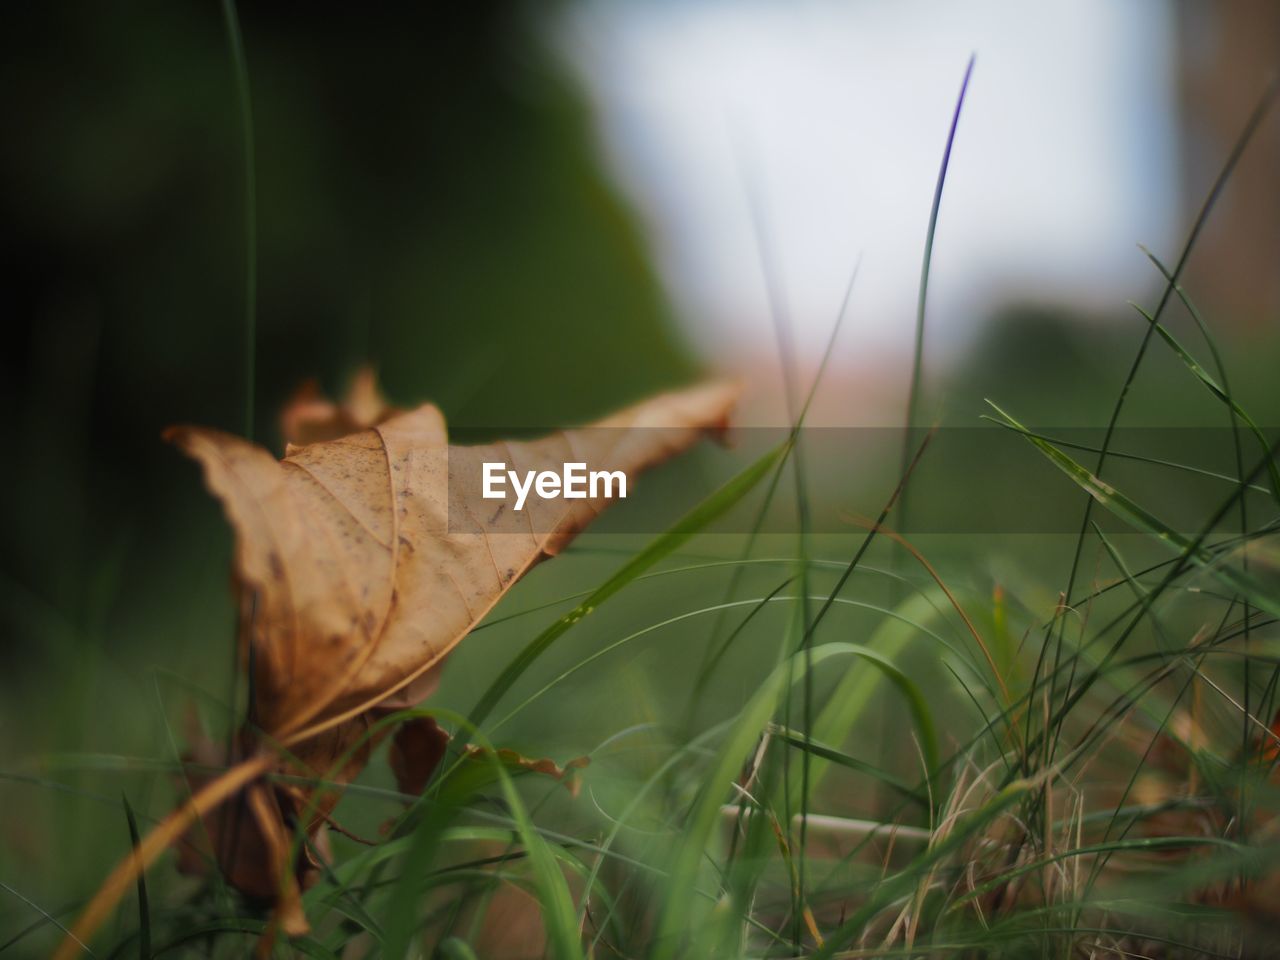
(917, 361)
(691, 523)
(1256, 116)
(840, 758)
(459, 784)
(1239, 456)
(855, 695)
(1259, 112)
(1136, 516)
(712, 651)
(455, 949)
(48, 917)
(1141, 458)
(675, 920)
(892, 888)
(559, 914)
(1212, 385)
(852, 694)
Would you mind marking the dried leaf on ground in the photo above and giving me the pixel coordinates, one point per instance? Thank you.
(363, 561)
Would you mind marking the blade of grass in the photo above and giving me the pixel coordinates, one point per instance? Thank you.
(705, 669)
(1254, 120)
(48, 917)
(1139, 518)
(705, 513)
(787, 360)
(1244, 506)
(1217, 391)
(840, 758)
(455, 949)
(35, 925)
(244, 103)
(902, 882)
(400, 919)
(1189, 553)
(852, 695)
(675, 921)
(917, 354)
(559, 915)
(718, 652)
(209, 797)
(1062, 442)
(872, 531)
(144, 907)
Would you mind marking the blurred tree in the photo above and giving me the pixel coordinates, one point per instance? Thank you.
(428, 199)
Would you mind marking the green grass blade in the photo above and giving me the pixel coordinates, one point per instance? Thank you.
(676, 920)
(1259, 112)
(1251, 125)
(244, 103)
(896, 886)
(714, 649)
(401, 917)
(756, 605)
(1153, 461)
(455, 949)
(1139, 518)
(699, 517)
(144, 906)
(842, 759)
(917, 361)
(48, 917)
(559, 914)
(1221, 394)
(851, 697)
(446, 799)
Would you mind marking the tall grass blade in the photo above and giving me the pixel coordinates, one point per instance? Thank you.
(1255, 119)
(1218, 392)
(852, 695)
(676, 920)
(144, 906)
(917, 353)
(1139, 518)
(902, 882)
(48, 917)
(240, 68)
(699, 517)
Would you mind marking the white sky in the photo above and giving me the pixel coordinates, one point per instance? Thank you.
(1064, 160)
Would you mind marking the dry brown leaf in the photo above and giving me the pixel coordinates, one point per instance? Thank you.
(420, 744)
(354, 589)
(513, 760)
(229, 835)
(310, 416)
(364, 559)
(416, 750)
